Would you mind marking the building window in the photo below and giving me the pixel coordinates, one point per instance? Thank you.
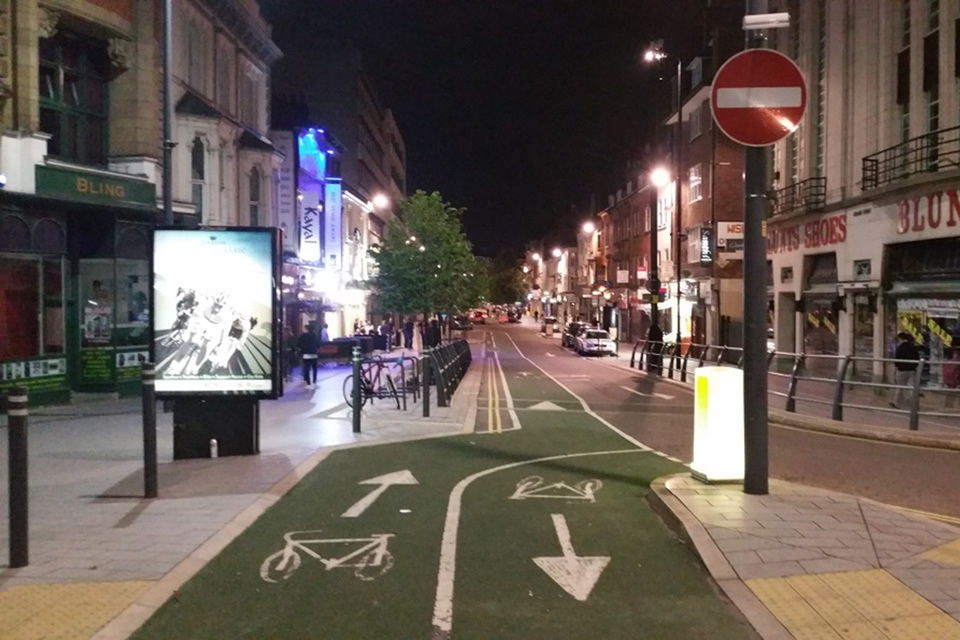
(73, 97)
(224, 84)
(696, 73)
(196, 57)
(254, 197)
(250, 98)
(933, 15)
(197, 172)
(821, 87)
(904, 23)
(695, 182)
(696, 122)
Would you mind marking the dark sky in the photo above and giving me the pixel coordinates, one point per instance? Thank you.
(517, 110)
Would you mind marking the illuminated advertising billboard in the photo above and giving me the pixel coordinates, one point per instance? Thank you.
(215, 328)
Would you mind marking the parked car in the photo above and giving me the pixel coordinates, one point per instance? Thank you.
(595, 342)
(478, 316)
(569, 338)
(513, 316)
(460, 323)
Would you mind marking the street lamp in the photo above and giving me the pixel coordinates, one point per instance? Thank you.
(380, 201)
(536, 257)
(655, 54)
(557, 253)
(589, 227)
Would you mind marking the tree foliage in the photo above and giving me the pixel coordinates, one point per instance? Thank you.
(425, 262)
(506, 280)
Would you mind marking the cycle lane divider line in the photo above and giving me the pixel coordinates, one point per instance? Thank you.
(583, 403)
(446, 574)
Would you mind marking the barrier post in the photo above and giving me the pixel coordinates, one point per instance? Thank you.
(148, 376)
(426, 373)
(17, 455)
(356, 389)
(915, 397)
(838, 392)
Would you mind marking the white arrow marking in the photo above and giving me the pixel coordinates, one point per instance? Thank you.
(662, 396)
(550, 355)
(361, 505)
(759, 97)
(546, 406)
(576, 575)
(524, 374)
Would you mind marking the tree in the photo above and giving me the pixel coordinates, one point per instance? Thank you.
(425, 262)
(506, 280)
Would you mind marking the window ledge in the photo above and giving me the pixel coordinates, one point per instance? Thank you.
(61, 164)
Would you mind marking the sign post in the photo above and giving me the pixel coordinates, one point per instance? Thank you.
(758, 97)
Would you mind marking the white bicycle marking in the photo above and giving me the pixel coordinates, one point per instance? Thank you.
(372, 554)
(535, 487)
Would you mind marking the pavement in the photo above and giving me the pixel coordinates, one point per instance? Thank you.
(801, 562)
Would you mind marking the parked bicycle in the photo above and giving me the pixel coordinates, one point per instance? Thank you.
(376, 382)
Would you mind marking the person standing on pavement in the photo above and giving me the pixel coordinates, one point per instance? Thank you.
(408, 333)
(655, 340)
(325, 333)
(907, 358)
(308, 343)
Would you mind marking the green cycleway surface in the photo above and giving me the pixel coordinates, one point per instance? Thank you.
(651, 588)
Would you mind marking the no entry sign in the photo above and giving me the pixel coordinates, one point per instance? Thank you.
(758, 97)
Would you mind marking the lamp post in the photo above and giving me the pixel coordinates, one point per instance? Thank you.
(168, 143)
(659, 178)
(654, 54)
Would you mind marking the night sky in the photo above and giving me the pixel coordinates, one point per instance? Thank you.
(518, 110)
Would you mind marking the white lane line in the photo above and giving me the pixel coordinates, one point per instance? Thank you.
(443, 604)
(586, 408)
(759, 97)
(506, 393)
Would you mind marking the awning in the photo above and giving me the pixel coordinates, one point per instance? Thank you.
(906, 289)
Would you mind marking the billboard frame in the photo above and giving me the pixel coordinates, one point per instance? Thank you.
(276, 311)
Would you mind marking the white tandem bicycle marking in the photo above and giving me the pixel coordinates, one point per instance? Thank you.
(577, 575)
(368, 561)
(535, 487)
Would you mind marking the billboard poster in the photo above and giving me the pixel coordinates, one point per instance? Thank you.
(214, 309)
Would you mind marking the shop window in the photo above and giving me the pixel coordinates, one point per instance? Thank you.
(14, 234)
(31, 306)
(49, 237)
(822, 269)
(133, 302)
(696, 183)
(73, 97)
(96, 303)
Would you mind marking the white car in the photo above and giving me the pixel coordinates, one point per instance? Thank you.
(595, 342)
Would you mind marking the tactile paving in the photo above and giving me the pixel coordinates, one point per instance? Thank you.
(853, 605)
(63, 611)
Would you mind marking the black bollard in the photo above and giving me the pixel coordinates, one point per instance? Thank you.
(148, 374)
(356, 389)
(17, 439)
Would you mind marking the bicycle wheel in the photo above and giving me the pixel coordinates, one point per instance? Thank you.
(348, 391)
(392, 388)
(279, 565)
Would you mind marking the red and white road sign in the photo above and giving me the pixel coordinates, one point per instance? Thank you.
(758, 97)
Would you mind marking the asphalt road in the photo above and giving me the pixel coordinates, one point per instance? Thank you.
(913, 477)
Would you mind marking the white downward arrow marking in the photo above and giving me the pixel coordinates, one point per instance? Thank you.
(361, 505)
(576, 575)
(662, 396)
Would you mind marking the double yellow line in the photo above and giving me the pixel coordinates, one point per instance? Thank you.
(493, 400)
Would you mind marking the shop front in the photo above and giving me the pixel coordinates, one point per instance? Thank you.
(74, 283)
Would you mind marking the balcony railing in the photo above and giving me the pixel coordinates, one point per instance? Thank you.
(806, 195)
(929, 153)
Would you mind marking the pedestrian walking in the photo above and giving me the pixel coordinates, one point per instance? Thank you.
(308, 343)
(907, 358)
(289, 352)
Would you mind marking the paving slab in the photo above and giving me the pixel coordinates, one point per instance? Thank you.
(858, 569)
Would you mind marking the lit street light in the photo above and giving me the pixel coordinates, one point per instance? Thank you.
(557, 253)
(660, 177)
(536, 257)
(381, 201)
(589, 227)
(655, 54)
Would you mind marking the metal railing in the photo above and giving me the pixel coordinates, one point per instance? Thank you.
(826, 385)
(928, 153)
(444, 367)
(806, 195)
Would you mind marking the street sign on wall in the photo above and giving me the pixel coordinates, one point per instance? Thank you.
(758, 97)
